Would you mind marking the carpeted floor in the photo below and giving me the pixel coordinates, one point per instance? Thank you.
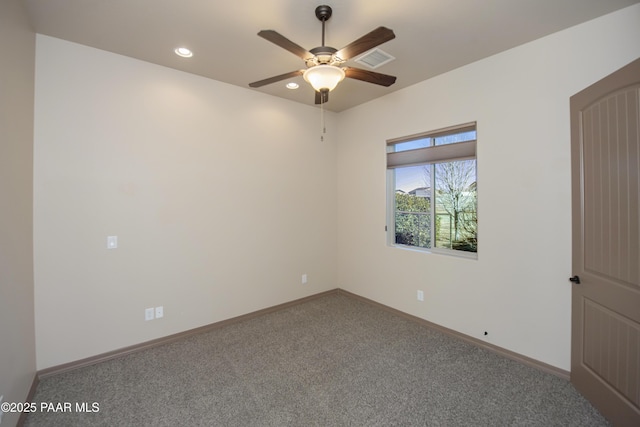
(331, 361)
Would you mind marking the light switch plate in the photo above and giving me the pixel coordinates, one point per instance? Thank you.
(159, 312)
(112, 242)
(148, 313)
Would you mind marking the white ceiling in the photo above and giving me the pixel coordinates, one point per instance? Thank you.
(432, 36)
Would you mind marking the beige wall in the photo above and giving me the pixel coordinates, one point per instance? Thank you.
(518, 289)
(17, 342)
(221, 198)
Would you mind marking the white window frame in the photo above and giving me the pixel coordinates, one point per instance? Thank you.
(424, 156)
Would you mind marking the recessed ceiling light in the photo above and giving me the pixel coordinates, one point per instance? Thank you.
(292, 85)
(184, 52)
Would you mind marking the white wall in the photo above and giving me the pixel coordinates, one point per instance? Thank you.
(517, 290)
(221, 198)
(17, 340)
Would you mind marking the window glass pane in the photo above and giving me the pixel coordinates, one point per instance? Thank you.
(455, 205)
(434, 203)
(412, 145)
(413, 206)
(458, 137)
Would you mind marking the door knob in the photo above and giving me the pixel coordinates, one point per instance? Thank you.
(575, 279)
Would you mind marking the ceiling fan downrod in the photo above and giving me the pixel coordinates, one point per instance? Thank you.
(322, 55)
(323, 13)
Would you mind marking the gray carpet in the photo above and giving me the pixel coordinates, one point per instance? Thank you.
(331, 361)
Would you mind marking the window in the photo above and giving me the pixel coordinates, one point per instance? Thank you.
(432, 190)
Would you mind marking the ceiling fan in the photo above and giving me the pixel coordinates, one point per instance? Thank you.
(324, 63)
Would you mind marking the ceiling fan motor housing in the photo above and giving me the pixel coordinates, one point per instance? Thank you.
(323, 55)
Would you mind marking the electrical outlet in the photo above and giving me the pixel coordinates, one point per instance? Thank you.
(159, 312)
(420, 296)
(304, 279)
(148, 313)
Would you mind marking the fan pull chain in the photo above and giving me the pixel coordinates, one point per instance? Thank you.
(323, 129)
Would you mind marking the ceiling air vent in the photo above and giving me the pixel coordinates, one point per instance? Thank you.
(374, 58)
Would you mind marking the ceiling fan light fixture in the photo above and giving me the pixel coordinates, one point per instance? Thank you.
(324, 77)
